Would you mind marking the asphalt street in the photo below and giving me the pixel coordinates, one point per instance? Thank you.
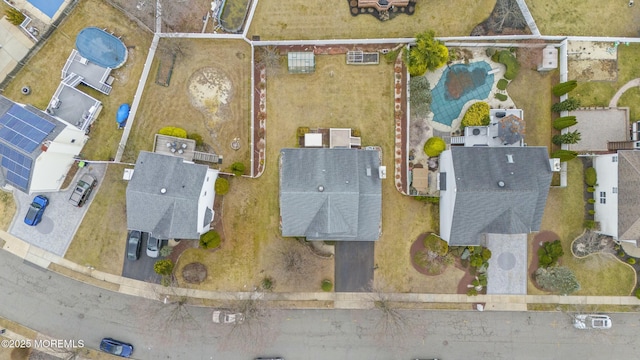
(65, 309)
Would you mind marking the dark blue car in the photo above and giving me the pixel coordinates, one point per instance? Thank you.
(36, 210)
(116, 347)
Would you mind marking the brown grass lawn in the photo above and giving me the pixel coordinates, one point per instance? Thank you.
(7, 209)
(537, 109)
(173, 106)
(564, 215)
(585, 17)
(299, 19)
(42, 73)
(100, 239)
(599, 93)
(336, 95)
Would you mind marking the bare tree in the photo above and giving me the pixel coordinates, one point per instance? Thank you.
(172, 310)
(295, 262)
(393, 324)
(508, 14)
(270, 58)
(254, 332)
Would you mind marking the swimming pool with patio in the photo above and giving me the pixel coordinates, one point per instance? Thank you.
(47, 7)
(459, 84)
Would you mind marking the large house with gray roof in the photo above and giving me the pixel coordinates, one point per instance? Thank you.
(492, 190)
(331, 194)
(37, 150)
(618, 216)
(169, 197)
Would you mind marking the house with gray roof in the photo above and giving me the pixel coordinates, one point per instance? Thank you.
(331, 194)
(617, 199)
(36, 149)
(492, 190)
(169, 197)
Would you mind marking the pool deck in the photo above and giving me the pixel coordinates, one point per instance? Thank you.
(33, 11)
(14, 46)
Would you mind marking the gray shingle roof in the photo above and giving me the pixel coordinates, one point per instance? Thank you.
(325, 194)
(173, 214)
(496, 196)
(629, 203)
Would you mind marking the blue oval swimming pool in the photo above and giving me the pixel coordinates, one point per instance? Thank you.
(100, 47)
(460, 83)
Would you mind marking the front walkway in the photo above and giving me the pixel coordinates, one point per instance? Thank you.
(614, 100)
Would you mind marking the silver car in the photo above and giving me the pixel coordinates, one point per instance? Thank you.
(227, 317)
(153, 247)
(592, 321)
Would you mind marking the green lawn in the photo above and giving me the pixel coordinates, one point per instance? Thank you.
(585, 17)
(599, 93)
(564, 215)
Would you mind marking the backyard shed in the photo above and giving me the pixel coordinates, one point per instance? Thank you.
(301, 62)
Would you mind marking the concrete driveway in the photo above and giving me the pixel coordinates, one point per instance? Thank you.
(141, 269)
(61, 219)
(354, 266)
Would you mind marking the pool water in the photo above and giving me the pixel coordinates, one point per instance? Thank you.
(459, 84)
(48, 7)
(101, 47)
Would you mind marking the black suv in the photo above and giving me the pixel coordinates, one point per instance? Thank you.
(83, 190)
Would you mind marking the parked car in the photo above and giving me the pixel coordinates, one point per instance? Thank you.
(134, 244)
(592, 321)
(269, 358)
(153, 247)
(116, 347)
(36, 210)
(83, 190)
(227, 317)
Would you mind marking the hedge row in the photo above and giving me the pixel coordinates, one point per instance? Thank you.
(563, 88)
(564, 122)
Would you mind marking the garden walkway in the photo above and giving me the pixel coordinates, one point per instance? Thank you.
(614, 100)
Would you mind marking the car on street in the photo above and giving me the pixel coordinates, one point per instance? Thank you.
(227, 317)
(83, 190)
(592, 321)
(36, 210)
(153, 247)
(134, 244)
(269, 358)
(116, 347)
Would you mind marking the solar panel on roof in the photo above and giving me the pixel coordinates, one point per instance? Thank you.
(18, 166)
(23, 128)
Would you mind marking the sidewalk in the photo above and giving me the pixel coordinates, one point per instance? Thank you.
(312, 300)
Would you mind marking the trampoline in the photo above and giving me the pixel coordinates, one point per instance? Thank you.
(101, 48)
(475, 83)
(47, 7)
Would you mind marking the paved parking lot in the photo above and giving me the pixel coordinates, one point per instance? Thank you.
(60, 220)
(141, 269)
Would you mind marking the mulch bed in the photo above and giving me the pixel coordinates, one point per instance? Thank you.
(468, 277)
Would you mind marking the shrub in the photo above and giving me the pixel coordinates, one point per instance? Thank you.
(590, 176)
(590, 224)
(549, 253)
(197, 138)
(490, 52)
(427, 54)
(564, 155)
(591, 189)
(327, 285)
(420, 99)
(302, 130)
(435, 244)
(173, 131)
(163, 267)
(355, 132)
(268, 283)
(638, 293)
(391, 56)
(631, 261)
(434, 146)
(591, 201)
(564, 122)
(558, 279)
(210, 240)
(569, 138)
(501, 97)
(476, 115)
(568, 105)
(237, 168)
(563, 88)
(14, 16)
(502, 84)
(472, 292)
(166, 251)
(222, 186)
(592, 212)
(505, 57)
(621, 253)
